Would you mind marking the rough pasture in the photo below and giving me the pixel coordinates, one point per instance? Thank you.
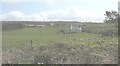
(50, 45)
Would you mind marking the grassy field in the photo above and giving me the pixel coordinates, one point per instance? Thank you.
(84, 47)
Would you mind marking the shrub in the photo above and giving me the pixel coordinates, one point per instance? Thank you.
(110, 32)
(11, 26)
(60, 53)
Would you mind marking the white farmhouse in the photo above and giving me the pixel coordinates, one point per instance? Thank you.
(40, 26)
(31, 25)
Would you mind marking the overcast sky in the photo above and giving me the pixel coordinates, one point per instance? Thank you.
(55, 10)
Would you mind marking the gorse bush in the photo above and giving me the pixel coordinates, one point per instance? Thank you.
(60, 53)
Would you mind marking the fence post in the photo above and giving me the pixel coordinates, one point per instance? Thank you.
(31, 42)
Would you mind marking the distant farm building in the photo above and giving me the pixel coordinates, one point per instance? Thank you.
(40, 26)
(36, 26)
(51, 24)
(73, 29)
(31, 25)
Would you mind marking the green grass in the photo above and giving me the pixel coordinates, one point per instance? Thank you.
(39, 36)
(48, 36)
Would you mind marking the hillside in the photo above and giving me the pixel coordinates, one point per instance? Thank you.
(97, 43)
